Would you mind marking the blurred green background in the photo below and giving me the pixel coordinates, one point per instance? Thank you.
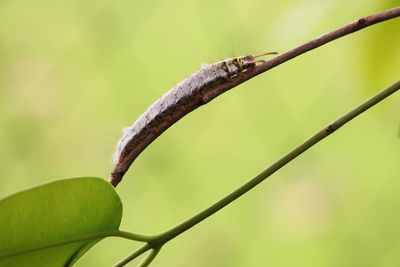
(74, 73)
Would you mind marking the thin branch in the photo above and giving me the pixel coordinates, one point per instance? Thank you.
(294, 52)
(324, 132)
(133, 255)
(150, 257)
(134, 236)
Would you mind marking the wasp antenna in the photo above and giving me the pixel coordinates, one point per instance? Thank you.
(263, 54)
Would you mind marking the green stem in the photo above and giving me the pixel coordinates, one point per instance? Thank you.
(134, 236)
(324, 132)
(118, 233)
(150, 257)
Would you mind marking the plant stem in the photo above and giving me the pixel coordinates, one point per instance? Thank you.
(321, 134)
(134, 254)
(134, 236)
(150, 257)
(162, 238)
(303, 48)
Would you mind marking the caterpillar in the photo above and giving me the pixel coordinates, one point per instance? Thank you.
(172, 106)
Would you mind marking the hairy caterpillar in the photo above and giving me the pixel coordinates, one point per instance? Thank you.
(173, 105)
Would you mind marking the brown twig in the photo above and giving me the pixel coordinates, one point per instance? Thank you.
(121, 168)
(294, 52)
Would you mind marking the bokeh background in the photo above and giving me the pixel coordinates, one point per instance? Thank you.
(74, 73)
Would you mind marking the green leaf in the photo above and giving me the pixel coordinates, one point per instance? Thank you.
(56, 223)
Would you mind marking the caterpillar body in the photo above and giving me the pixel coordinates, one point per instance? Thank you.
(173, 105)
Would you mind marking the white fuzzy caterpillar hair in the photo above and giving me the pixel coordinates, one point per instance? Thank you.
(180, 100)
